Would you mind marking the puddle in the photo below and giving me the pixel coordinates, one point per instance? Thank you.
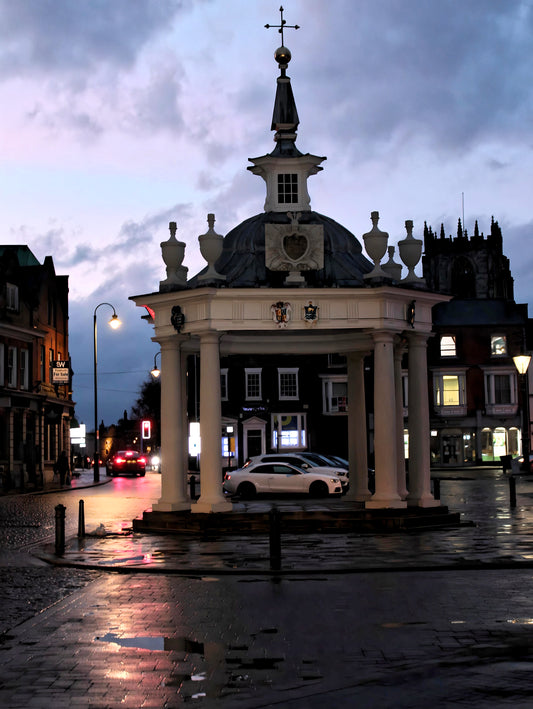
(154, 642)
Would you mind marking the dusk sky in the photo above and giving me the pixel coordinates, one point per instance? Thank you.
(121, 115)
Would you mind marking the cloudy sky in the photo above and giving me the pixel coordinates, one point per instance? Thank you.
(120, 115)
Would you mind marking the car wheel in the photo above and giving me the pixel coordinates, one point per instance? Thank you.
(319, 489)
(143, 473)
(247, 491)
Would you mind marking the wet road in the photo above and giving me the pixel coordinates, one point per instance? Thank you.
(392, 639)
(27, 585)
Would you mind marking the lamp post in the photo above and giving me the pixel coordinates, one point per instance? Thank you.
(156, 372)
(521, 363)
(114, 323)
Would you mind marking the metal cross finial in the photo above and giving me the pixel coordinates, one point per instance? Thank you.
(283, 25)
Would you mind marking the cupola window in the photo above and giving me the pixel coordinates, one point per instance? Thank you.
(288, 188)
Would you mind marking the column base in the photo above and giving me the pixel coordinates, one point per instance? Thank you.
(384, 503)
(208, 506)
(424, 501)
(164, 506)
(358, 496)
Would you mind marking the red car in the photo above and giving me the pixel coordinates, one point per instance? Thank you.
(127, 463)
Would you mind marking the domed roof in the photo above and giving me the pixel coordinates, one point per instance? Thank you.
(243, 261)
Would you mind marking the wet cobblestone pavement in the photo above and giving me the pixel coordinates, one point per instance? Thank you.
(491, 533)
(437, 618)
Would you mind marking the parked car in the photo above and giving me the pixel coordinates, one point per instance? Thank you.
(127, 463)
(521, 462)
(306, 461)
(280, 477)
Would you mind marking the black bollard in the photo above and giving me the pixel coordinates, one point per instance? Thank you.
(192, 486)
(436, 488)
(60, 529)
(512, 491)
(275, 539)
(81, 520)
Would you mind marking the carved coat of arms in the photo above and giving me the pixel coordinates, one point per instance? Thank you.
(310, 314)
(177, 318)
(281, 313)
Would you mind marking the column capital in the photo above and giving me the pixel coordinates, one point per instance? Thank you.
(210, 336)
(418, 338)
(170, 342)
(383, 336)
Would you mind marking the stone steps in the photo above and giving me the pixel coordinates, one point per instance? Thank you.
(297, 521)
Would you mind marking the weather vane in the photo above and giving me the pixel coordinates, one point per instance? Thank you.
(282, 26)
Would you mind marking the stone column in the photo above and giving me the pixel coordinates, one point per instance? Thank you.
(357, 434)
(173, 433)
(419, 444)
(400, 450)
(385, 437)
(212, 497)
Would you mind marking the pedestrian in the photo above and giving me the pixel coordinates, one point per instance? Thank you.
(62, 467)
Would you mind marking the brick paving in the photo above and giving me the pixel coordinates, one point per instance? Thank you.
(440, 619)
(390, 639)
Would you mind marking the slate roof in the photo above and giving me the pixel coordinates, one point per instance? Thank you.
(243, 256)
(493, 312)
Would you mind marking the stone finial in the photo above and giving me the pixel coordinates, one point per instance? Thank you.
(376, 246)
(410, 253)
(173, 253)
(393, 269)
(211, 245)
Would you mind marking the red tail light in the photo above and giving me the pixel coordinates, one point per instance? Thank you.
(142, 460)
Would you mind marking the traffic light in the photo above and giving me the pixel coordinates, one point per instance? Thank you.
(146, 429)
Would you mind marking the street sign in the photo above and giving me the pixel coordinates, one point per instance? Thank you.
(61, 371)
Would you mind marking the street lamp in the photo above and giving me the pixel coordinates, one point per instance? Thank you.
(114, 323)
(521, 363)
(155, 372)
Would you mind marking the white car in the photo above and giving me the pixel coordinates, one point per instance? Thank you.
(276, 478)
(307, 461)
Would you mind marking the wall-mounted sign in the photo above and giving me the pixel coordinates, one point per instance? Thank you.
(61, 371)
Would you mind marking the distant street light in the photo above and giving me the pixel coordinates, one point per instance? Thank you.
(155, 372)
(114, 323)
(521, 363)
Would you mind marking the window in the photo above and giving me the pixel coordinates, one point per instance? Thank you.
(449, 389)
(288, 383)
(1, 364)
(253, 383)
(50, 364)
(335, 394)
(447, 346)
(42, 367)
(24, 373)
(405, 391)
(51, 311)
(12, 297)
(500, 389)
(288, 431)
(224, 384)
(11, 366)
(288, 188)
(498, 345)
(336, 361)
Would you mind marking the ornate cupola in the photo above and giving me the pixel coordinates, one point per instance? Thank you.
(285, 170)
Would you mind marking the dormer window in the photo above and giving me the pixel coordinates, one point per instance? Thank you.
(498, 345)
(288, 188)
(448, 346)
(12, 297)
